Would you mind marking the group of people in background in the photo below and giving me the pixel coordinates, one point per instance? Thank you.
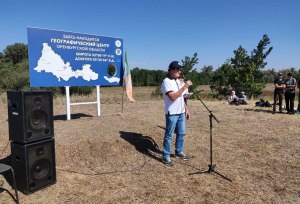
(283, 88)
(237, 100)
(287, 88)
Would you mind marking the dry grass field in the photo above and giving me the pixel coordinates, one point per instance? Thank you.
(115, 158)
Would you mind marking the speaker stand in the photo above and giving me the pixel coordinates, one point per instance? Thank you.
(211, 166)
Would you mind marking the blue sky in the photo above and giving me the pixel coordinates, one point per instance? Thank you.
(156, 32)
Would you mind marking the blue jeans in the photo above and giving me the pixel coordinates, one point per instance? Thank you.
(174, 122)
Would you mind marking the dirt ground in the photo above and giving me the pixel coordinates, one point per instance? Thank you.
(115, 158)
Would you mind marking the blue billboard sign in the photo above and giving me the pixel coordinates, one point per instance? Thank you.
(60, 58)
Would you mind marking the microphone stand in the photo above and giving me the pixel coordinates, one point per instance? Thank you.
(211, 166)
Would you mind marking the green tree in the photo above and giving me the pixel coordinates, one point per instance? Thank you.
(190, 73)
(15, 76)
(269, 75)
(16, 52)
(221, 80)
(205, 75)
(144, 77)
(2, 58)
(242, 72)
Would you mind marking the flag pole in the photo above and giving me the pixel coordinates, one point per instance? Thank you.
(123, 83)
(123, 95)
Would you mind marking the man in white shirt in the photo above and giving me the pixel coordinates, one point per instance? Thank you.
(176, 111)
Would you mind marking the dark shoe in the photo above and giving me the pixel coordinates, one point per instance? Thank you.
(182, 156)
(281, 112)
(167, 162)
(273, 112)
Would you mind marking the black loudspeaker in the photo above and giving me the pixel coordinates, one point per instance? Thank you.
(30, 115)
(34, 165)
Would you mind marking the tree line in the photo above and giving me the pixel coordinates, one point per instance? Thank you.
(243, 72)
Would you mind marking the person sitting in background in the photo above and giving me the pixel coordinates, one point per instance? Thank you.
(233, 99)
(263, 103)
(243, 98)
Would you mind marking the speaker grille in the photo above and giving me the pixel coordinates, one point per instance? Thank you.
(38, 120)
(40, 169)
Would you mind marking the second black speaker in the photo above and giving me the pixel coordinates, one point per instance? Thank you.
(30, 115)
(34, 165)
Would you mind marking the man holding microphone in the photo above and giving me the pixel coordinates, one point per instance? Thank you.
(175, 111)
